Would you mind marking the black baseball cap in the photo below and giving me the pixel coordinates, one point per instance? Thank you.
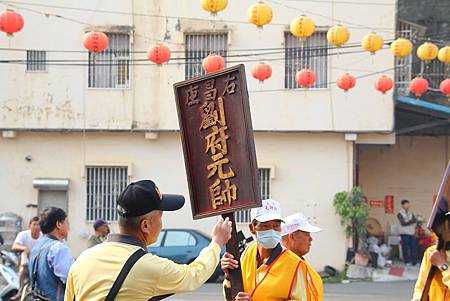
(143, 196)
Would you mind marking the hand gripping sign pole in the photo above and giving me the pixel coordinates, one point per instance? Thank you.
(219, 150)
(439, 223)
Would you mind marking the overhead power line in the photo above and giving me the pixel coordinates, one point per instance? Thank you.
(103, 11)
(256, 51)
(346, 2)
(339, 20)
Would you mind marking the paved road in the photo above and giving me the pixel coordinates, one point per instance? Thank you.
(364, 291)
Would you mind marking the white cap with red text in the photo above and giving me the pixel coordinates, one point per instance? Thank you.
(297, 221)
(270, 210)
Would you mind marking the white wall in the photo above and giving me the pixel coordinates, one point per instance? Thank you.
(308, 170)
(60, 98)
(411, 169)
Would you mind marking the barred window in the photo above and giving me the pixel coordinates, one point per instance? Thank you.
(264, 184)
(36, 60)
(110, 68)
(199, 46)
(311, 53)
(103, 186)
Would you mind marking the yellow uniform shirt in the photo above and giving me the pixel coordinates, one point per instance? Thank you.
(94, 272)
(440, 285)
(314, 283)
(281, 277)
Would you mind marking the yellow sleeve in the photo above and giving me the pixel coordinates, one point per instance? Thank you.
(299, 288)
(446, 278)
(69, 293)
(177, 278)
(423, 274)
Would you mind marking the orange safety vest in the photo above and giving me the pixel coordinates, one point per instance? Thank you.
(279, 279)
(314, 283)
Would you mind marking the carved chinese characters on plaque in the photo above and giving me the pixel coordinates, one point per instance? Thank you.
(218, 143)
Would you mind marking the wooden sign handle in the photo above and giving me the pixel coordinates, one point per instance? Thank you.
(233, 248)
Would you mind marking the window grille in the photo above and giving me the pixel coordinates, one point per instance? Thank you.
(110, 68)
(36, 60)
(199, 46)
(264, 184)
(311, 53)
(103, 186)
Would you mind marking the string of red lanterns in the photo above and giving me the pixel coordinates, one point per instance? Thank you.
(305, 78)
(95, 41)
(346, 82)
(418, 86)
(11, 22)
(261, 72)
(159, 54)
(213, 63)
(384, 83)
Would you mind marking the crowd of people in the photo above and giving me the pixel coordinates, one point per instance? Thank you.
(117, 266)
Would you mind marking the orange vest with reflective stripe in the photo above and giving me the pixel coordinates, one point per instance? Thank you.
(279, 279)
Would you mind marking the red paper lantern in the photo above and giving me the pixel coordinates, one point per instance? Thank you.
(305, 78)
(95, 41)
(384, 83)
(346, 82)
(159, 54)
(445, 87)
(418, 86)
(213, 63)
(261, 71)
(11, 22)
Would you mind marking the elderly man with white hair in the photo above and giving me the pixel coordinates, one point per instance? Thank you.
(296, 236)
(269, 272)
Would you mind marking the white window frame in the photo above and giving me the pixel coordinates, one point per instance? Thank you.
(41, 61)
(114, 60)
(289, 78)
(108, 196)
(265, 184)
(213, 46)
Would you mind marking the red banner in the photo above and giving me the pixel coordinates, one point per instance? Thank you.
(389, 204)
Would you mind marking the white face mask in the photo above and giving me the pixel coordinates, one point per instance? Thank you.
(268, 238)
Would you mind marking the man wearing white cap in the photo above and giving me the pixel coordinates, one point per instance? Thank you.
(296, 234)
(269, 272)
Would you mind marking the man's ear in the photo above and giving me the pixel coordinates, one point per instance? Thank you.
(145, 227)
(252, 229)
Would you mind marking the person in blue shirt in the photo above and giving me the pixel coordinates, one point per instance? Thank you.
(51, 259)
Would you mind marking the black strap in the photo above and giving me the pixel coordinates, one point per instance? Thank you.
(123, 274)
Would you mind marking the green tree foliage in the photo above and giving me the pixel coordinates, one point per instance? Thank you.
(353, 211)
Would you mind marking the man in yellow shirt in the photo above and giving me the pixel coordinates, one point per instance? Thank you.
(296, 236)
(440, 285)
(269, 272)
(100, 268)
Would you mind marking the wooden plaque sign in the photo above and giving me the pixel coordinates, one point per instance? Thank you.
(218, 144)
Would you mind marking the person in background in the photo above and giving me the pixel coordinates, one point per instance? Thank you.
(24, 243)
(101, 229)
(426, 238)
(296, 236)
(51, 259)
(408, 222)
(269, 272)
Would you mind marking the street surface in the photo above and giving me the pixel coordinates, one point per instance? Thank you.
(364, 291)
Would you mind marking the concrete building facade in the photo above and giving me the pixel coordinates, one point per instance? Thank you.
(76, 130)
